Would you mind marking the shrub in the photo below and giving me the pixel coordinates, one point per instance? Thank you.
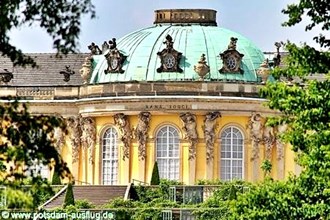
(56, 180)
(155, 180)
(69, 198)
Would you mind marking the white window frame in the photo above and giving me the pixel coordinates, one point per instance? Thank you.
(109, 156)
(234, 133)
(170, 135)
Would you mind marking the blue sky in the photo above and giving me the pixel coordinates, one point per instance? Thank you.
(258, 20)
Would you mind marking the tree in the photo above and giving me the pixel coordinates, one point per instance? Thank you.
(25, 142)
(305, 108)
(155, 180)
(61, 19)
(69, 197)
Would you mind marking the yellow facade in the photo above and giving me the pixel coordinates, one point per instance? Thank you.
(135, 169)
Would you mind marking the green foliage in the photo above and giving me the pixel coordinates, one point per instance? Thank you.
(128, 209)
(18, 199)
(69, 197)
(56, 180)
(266, 166)
(155, 180)
(316, 10)
(84, 204)
(218, 205)
(305, 108)
(25, 144)
(61, 19)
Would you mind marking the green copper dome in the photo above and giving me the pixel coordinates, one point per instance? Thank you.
(192, 39)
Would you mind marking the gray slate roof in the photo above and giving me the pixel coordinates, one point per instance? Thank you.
(48, 73)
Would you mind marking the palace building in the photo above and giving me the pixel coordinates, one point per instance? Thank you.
(182, 92)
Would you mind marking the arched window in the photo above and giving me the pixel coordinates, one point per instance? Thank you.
(110, 157)
(167, 153)
(231, 162)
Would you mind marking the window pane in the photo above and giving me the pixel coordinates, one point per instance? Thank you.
(110, 157)
(231, 154)
(167, 152)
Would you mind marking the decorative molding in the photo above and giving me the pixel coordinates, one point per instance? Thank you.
(114, 58)
(36, 91)
(190, 129)
(86, 70)
(73, 124)
(255, 128)
(141, 133)
(210, 124)
(231, 59)
(169, 57)
(202, 69)
(122, 123)
(88, 136)
(67, 73)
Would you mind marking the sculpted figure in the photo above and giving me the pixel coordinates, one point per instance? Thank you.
(105, 47)
(59, 138)
(88, 136)
(232, 44)
(112, 44)
(268, 139)
(141, 132)
(255, 126)
(95, 50)
(73, 124)
(121, 121)
(86, 69)
(279, 144)
(210, 123)
(189, 122)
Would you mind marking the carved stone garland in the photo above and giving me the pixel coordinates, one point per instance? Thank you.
(141, 133)
(169, 57)
(210, 124)
(88, 136)
(268, 139)
(73, 124)
(121, 121)
(114, 58)
(189, 127)
(255, 126)
(231, 59)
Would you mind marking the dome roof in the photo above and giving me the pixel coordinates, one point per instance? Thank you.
(141, 52)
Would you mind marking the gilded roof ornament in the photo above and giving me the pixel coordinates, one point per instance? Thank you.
(202, 68)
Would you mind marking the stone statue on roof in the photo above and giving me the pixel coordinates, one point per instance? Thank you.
(169, 42)
(95, 50)
(232, 44)
(112, 43)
